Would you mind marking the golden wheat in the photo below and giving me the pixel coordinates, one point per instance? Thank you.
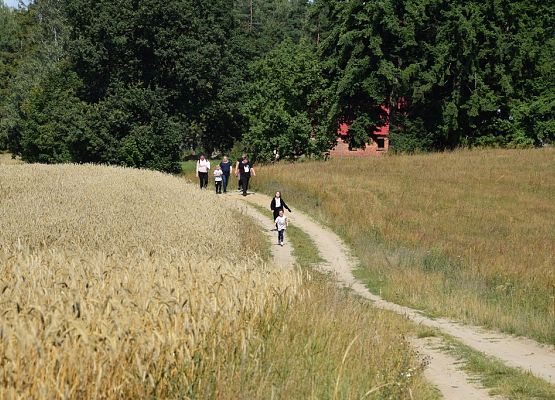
(114, 284)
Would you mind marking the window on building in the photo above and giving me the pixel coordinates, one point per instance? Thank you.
(381, 143)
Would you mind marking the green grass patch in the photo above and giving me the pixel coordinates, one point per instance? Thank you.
(304, 250)
(510, 383)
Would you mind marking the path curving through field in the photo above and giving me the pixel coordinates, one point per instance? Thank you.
(443, 371)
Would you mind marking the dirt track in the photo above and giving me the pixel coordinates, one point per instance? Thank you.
(442, 371)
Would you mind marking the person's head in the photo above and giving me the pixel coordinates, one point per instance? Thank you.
(281, 213)
(245, 160)
(244, 156)
(202, 156)
(225, 159)
(278, 194)
(217, 167)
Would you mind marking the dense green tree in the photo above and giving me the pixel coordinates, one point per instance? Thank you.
(453, 73)
(38, 35)
(53, 118)
(283, 102)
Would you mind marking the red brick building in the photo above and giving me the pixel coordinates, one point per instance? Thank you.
(379, 143)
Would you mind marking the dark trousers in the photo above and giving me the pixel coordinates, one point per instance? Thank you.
(218, 186)
(276, 212)
(225, 178)
(245, 183)
(280, 235)
(239, 183)
(203, 179)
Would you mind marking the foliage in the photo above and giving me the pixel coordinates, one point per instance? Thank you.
(282, 101)
(221, 72)
(453, 74)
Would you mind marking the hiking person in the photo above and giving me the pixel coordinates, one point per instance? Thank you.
(203, 166)
(238, 172)
(218, 177)
(278, 204)
(245, 172)
(227, 169)
(281, 224)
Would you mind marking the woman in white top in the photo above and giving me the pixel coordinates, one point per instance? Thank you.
(203, 166)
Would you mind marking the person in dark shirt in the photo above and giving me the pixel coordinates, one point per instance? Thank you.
(245, 172)
(238, 172)
(227, 168)
(278, 204)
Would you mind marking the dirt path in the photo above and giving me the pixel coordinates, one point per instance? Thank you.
(453, 383)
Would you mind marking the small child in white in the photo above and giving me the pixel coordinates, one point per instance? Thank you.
(218, 179)
(281, 223)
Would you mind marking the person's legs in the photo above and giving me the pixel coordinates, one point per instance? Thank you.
(245, 184)
(225, 178)
(280, 237)
(204, 179)
(240, 183)
(200, 179)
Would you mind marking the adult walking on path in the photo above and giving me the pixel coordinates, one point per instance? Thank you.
(238, 171)
(227, 169)
(245, 172)
(203, 166)
(278, 204)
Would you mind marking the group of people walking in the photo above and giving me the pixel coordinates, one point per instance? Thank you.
(243, 170)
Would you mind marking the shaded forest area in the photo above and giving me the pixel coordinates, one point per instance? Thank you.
(143, 83)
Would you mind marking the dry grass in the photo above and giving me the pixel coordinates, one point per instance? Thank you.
(118, 283)
(468, 234)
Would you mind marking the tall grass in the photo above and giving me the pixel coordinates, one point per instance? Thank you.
(118, 283)
(468, 234)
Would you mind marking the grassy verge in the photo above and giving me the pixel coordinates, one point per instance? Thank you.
(504, 381)
(326, 337)
(465, 235)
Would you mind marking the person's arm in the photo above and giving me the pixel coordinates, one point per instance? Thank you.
(198, 164)
(285, 205)
(273, 204)
(207, 165)
(253, 172)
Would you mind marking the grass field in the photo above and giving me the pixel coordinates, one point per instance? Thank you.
(119, 283)
(468, 234)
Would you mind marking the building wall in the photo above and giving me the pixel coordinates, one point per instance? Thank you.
(371, 149)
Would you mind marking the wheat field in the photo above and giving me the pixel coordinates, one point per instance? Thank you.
(113, 290)
(118, 283)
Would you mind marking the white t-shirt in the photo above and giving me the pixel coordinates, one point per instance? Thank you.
(218, 175)
(281, 223)
(203, 165)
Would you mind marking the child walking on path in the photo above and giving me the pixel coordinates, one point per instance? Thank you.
(218, 179)
(281, 223)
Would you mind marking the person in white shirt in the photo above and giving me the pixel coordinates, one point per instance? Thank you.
(281, 223)
(203, 166)
(218, 177)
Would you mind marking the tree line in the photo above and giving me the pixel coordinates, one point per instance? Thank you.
(142, 83)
